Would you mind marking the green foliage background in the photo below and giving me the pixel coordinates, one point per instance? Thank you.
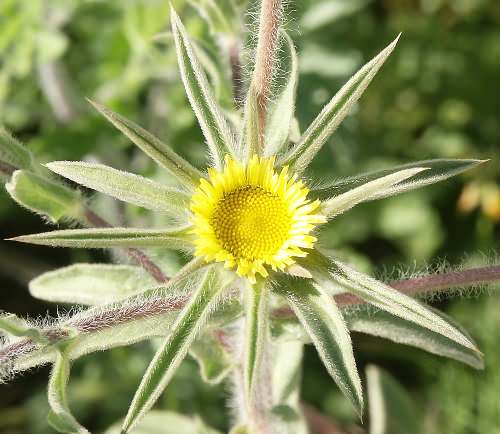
(436, 97)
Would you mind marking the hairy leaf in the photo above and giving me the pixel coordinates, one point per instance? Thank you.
(15, 326)
(334, 113)
(437, 170)
(345, 201)
(282, 110)
(326, 270)
(125, 186)
(323, 321)
(386, 325)
(94, 238)
(123, 322)
(257, 333)
(44, 197)
(213, 124)
(185, 173)
(90, 284)
(391, 409)
(60, 416)
(170, 355)
(287, 366)
(250, 139)
(13, 152)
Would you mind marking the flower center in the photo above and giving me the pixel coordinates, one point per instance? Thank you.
(251, 223)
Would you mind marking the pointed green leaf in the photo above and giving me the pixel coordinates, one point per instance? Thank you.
(217, 14)
(325, 270)
(385, 325)
(170, 355)
(13, 152)
(213, 124)
(123, 322)
(334, 113)
(437, 170)
(90, 284)
(323, 321)
(282, 110)
(125, 186)
(48, 198)
(97, 238)
(257, 333)
(185, 173)
(345, 201)
(286, 381)
(60, 416)
(212, 357)
(391, 409)
(250, 139)
(15, 326)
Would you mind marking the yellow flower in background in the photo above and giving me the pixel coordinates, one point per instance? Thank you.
(251, 216)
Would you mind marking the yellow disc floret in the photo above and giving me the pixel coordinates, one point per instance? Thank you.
(250, 216)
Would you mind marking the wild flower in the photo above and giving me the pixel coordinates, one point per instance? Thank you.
(252, 227)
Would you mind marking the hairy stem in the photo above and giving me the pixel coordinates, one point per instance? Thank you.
(236, 72)
(136, 254)
(267, 45)
(434, 283)
(159, 305)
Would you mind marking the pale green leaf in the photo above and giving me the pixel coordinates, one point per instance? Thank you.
(60, 416)
(256, 334)
(45, 197)
(125, 186)
(250, 139)
(210, 117)
(391, 408)
(217, 14)
(320, 316)
(385, 325)
(286, 380)
(281, 112)
(166, 422)
(326, 270)
(90, 284)
(124, 322)
(15, 326)
(185, 173)
(345, 201)
(170, 355)
(437, 170)
(95, 238)
(334, 113)
(13, 152)
(212, 357)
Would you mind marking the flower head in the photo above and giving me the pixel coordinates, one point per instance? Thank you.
(249, 216)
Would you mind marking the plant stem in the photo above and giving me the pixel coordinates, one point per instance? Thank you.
(434, 283)
(138, 255)
(158, 305)
(236, 72)
(267, 45)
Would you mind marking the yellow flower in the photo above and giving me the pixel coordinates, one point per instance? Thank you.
(251, 216)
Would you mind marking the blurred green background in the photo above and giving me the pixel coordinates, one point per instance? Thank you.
(437, 96)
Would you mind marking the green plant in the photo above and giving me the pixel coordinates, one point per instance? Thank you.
(285, 292)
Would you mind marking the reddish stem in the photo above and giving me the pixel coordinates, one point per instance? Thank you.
(138, 255)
